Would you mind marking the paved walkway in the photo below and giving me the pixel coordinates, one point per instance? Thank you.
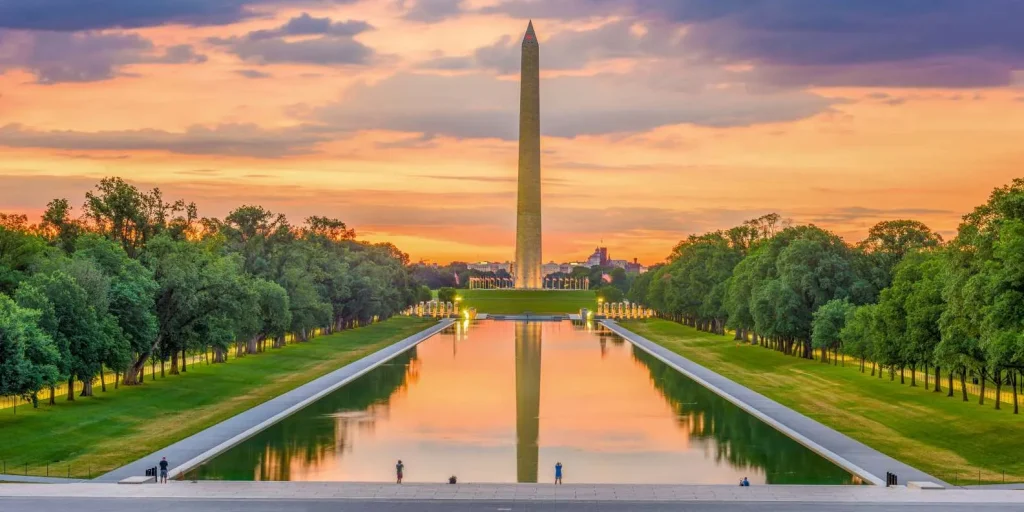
(192, 451)
(854, 456)
(512, 492)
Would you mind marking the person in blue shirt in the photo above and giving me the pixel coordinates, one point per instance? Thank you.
(558, 473)
(744, 482)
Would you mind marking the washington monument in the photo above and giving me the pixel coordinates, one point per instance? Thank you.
(528, 241)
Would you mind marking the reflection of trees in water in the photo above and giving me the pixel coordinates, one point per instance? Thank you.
(326, 427)
(739, 438)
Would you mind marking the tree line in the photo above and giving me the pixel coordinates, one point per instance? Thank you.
(901, 300)
(135, 279)
(457, 273)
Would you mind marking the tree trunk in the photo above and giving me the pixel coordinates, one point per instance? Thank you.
(86, 387)
(862, 367)
(103, 381)
(71, 389)
(902, 379)
(963, 383)
(872, 368)
(913, 375)
(219, 355)
(53, 396)
(999, 387)
(949, 379)
(981, 395)
(938, 379)
(162, 375)
(1013, 382)
(184, 364)
(252, 345)
(117, 379)
(131, 375)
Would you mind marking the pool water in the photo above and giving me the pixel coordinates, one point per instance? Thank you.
(504, 401)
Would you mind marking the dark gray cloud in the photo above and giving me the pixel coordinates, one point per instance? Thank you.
(334, 44)
(227, 139)
(482, 106)
(912, 43)
(253, 73)
(858, 213)
(55, 57)
(76, 15)
(572, 49)
(430, 10)
(306, 25)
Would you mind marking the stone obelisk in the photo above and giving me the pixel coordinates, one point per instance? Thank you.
(528, 241)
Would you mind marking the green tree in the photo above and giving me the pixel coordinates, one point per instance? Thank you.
(67, 315)
(610, 293)
(858, 334)
(199, 291)
(889, 241)
(827, 326)
(268, 314)
(58, 227)
(131, 294)
(29, 360)
(20, 251)
(447, 294)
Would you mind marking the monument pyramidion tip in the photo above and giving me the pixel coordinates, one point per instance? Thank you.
(530, 34)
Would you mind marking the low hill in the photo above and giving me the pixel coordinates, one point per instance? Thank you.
(512, 302)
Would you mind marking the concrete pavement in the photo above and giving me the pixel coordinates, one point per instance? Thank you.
(194, 450)
(227, 505)
(186, 492)
(854, 456)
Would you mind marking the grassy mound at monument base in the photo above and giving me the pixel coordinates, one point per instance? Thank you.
(515, 302)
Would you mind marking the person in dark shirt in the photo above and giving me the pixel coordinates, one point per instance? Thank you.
(558, 473)
(399, 468)
(163, 470)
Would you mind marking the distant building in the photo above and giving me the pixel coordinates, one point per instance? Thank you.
(634, 267)
(490, 266)
(550, 268)
(600, 257)
(618, 264)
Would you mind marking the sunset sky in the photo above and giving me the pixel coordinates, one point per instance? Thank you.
(661, 118)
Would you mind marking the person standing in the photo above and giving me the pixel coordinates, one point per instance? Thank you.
(163, 470)
(558, 473)
(399, 469)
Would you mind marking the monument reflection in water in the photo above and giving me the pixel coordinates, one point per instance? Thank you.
(504, 401)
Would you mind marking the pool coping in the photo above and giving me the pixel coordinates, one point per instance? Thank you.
(671, 494)
(839, 448)
(212, 441)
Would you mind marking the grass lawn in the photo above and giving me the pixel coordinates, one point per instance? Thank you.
(953, 440)
(96, 435)
(510, 302)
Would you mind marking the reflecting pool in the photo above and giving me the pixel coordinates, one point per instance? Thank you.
(502, 401)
